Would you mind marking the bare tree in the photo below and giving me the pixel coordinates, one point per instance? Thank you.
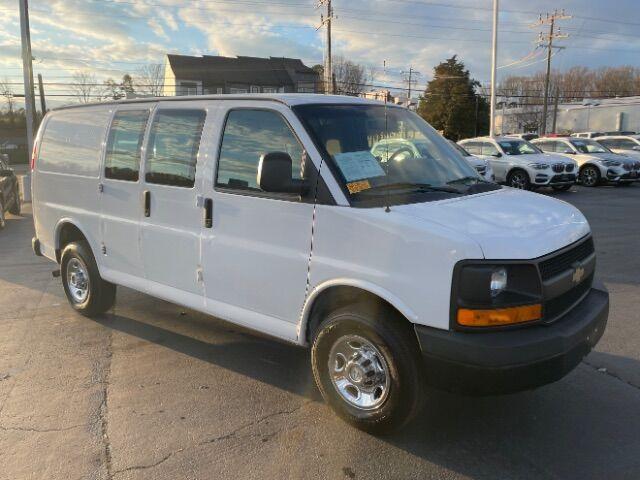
(149, 79)
(7, 92)
(85, 87)
(350, 76)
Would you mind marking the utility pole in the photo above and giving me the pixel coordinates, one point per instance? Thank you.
(328, 66)
(43, 102)
(555, 111)
(494, 58)
(409, 79)
(547, 41)
(27, 68)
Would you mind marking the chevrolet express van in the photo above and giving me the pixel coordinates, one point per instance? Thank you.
(399, 269)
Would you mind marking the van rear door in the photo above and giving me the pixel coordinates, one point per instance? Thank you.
(171, 219)
(119, 202)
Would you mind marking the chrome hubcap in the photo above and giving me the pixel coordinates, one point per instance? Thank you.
(359, 372)
(77, 280)
(518, 181)
(589, 177)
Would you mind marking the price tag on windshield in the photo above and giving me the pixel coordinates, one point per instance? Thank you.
(358, 165)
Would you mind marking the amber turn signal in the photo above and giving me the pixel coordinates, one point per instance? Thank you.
(499, 316)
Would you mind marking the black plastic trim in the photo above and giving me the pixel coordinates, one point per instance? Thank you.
(510, 361)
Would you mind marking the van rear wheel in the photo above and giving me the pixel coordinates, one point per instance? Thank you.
(86, 291)
(366, 364)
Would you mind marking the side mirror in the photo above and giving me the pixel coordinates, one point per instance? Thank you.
(497, 154)
(275, 174)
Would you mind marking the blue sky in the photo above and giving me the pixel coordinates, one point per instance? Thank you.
(113, 37)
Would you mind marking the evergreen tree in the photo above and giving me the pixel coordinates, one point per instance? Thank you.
(450, 102)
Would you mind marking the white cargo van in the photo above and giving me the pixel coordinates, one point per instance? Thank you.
(399, 270)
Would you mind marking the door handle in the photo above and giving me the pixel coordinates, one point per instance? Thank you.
(208, 213)
(146, 201)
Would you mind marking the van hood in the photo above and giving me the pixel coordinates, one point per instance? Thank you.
(506, 223)
(539, 158)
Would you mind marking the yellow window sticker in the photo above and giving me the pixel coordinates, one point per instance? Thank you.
(355, 187)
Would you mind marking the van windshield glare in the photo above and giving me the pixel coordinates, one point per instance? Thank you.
(386, 152)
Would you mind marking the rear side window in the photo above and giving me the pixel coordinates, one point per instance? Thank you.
(122, 160)
(489, 149)
(72, 141)
(248, 135)
(173, 147)
(473, 148)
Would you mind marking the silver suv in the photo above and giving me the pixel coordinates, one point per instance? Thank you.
(596, 162)
(520, 164)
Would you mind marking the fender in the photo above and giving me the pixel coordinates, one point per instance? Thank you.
(372, 288)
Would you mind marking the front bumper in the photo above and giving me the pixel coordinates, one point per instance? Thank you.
(556, 179)
(513, 360)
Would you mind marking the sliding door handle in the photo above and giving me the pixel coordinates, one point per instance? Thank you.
(146, 202)
(208, 213)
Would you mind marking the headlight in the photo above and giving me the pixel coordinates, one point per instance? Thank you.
(493, 295)
(610, 163)
(539, 166)
(498, 281)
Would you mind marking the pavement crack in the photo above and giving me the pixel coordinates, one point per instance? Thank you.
(151, 465)
(220, 438)
(104, 372)
(40, 430)
(254, 423)
(606, 371)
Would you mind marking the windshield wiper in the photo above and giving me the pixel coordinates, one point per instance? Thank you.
(464, 180)
(412, 187)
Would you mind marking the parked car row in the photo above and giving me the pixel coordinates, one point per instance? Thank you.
(559, 162)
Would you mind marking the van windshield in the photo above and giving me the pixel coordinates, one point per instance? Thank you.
(589, 146)
(518, 147)
(387, 152)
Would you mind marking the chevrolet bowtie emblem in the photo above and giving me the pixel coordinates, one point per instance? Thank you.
(578, 273)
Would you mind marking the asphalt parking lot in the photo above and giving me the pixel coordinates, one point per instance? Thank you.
(155, 391)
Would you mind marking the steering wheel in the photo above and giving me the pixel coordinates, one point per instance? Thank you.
(399, 151)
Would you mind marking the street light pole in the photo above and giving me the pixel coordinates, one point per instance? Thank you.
(27, 69)
(494, 56)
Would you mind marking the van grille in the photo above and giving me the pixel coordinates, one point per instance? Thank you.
(556, 307)
(569, 168)
(562, 262)
(558, 167)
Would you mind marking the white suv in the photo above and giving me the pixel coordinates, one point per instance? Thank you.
(626, 144)
(519, 164)
(597, 164)
(480, 164)
(271, 212)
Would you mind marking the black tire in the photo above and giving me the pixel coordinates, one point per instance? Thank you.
(561, 188)
(519, 179)
(100, 294)
(589, 176)
(16, 207)
(3, 223)
(394, 339)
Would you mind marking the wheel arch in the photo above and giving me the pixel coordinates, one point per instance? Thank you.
(335, 293)
(67, 230)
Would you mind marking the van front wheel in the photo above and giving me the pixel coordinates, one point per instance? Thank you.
(366, 363)
(86, 291)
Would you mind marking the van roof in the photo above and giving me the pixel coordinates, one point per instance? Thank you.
(289, 99)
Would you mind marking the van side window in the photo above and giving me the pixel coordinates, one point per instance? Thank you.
(122, 160)
(249, 134)
(173, 147)
(472, 147)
